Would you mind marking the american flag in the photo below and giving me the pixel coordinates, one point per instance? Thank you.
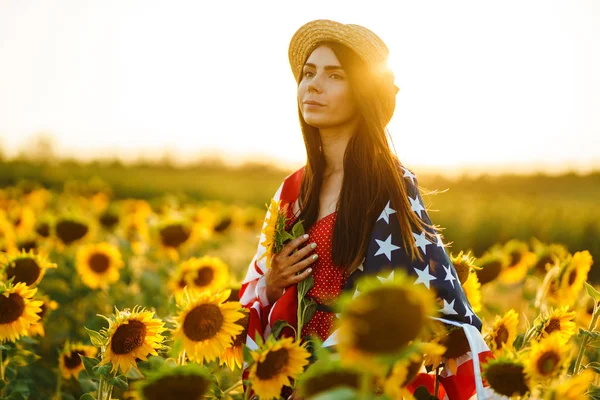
(436, 273)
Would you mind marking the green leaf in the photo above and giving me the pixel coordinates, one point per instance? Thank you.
(95, 337)
(594, 294)
(2, 384)
(343, 393)
(285, 236)
(87, 396)
(298, 229)
(103, 370)
(595, 366)
(119, 382)
(278, 327)
(584, 332)
(305, 285)
(89, 363)
(518, 342)
(247, 354)
(309, 310)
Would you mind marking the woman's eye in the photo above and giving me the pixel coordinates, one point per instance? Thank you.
(306, 73)
(338, 76)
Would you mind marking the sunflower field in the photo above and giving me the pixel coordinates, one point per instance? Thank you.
(106, 297)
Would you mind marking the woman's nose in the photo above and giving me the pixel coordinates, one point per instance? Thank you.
(314, 85)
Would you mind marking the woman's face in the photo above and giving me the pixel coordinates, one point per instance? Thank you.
(324, 82)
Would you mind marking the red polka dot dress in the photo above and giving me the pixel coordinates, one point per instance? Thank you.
(329, 278)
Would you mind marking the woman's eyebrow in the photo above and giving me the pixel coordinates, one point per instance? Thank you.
(326, 68)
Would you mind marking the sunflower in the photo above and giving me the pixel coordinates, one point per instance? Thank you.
(491, 264)
(506, 376)
(573, 388)
(267, 234)
(205, 274)
(129, 336)
(135, 230)
(548, 255)
(520, 260)
(189, 381)
(547, 359)
(234, 355)
(557, 322)
(7, 234)
(18, 310)
(37, 328)
(175, 235)
(275, 364)
(206, 325)
(503, 332)
(23, 219)
(325, 375)
(463, 264)
(373, 324)
(69, 362)
(405, 370)
(574, 275)
(71, 229)
(472, 289)
(98, 264)
(28, 268)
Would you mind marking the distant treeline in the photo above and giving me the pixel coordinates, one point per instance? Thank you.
(474, 212)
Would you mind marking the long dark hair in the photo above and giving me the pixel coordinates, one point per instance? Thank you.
(371, 173)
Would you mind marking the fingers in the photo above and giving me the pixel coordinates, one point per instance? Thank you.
(300, 254)
(291, 245)
(299, 266)
(301, 276)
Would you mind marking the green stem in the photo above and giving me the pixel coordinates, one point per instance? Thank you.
(100, 394)
(58, 395)
(586, 339)
(233, 387)
(365, 385)
(2, 369)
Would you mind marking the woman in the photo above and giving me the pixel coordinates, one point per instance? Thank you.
(362, 210)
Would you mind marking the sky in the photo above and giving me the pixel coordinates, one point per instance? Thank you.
(509, 85)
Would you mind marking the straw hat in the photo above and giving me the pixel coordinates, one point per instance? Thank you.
(365, 43)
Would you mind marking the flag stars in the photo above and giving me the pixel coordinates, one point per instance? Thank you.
(439, 243)
(468, 312)
(449, 308)
(385, 214)
(449, 276)
(386, 247)
(416, 206)
(421, 241)
(409, 175)
(424, 276)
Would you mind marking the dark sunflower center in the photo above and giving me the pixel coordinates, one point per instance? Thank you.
(203, 322)
(44, 308)
(223, 224)
(572, 277)
(462, 271)
(43, 230)
(190, 387)
(515, 257)
(507, 379)
(28, 245)
(541, 264)
(11, 308)
(73, 360)
(182, 283)
(204, 276)
(330, 380)
(501, 337)
(456, 344)
(547, 363)
(128, 337)
(553, 325)
(70, 231)
(174, 235)
(274, 363)
(383, 327)
(109, 220)
(489, 271)
(241, 338)
(24, 270)
(99, 262)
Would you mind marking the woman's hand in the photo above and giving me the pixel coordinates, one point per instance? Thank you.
(286, 264)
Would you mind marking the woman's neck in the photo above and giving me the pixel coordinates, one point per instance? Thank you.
(334, 141)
